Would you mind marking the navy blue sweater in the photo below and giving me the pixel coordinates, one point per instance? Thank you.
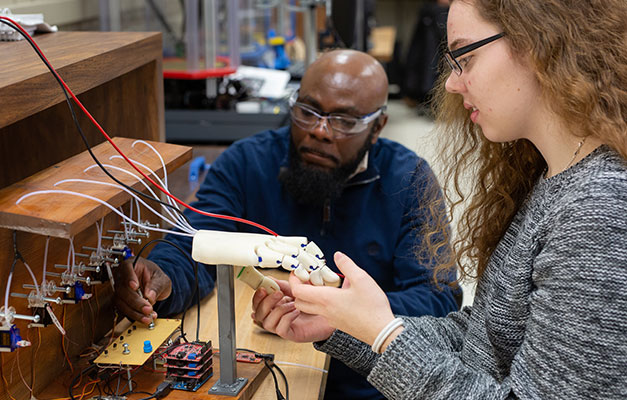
(373, 222)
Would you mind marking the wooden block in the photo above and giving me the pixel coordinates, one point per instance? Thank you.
(83, 59)
(64, 215)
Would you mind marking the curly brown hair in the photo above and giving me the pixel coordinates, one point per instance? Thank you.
(579, 53)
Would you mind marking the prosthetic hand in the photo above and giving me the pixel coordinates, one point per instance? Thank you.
(250, 250)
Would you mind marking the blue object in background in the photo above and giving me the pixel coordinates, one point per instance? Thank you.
(197, 167)
(147, 346)
(281, 61)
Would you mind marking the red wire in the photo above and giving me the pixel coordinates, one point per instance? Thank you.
(93, 120)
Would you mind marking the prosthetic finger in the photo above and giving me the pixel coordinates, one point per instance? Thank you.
(282, 248)
(256, 280)
(313, 248)
(296, 241)
(269, 258)
(301, 273)
(329, 277)
(309, 261)
(324, 277)
(316, 278)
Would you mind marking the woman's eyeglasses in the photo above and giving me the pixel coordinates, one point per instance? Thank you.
(451, 56)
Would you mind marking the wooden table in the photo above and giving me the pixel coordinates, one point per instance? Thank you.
(305, 382)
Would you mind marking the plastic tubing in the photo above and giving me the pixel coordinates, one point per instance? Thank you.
(174, 215)
(104, 203)
(143, 183)
(182, 228)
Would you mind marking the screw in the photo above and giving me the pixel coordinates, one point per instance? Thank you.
(126, 349)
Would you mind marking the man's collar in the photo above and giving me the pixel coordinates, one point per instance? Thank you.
(363, 165)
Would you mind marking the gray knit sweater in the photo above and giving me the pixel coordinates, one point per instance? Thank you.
(549, 320)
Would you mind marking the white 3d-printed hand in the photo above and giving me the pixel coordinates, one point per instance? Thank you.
(292, 253)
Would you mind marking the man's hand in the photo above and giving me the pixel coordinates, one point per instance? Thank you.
(152, 282)
(276, 313)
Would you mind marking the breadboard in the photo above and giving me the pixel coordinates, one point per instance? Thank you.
(135, 337)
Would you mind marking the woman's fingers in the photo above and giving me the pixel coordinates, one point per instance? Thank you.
(348, 267)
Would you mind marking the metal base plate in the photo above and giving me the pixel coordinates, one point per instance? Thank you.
(229, 390)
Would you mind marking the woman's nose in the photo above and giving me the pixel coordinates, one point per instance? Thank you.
(454, 83)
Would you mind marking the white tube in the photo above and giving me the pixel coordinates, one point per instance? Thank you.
(104, 203)
(183, 228)
(162, 183)
(166, 209)
(43, 277)
(165, 171)
(6, 297)
(30, 271)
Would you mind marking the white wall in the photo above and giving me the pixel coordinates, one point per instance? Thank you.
(63, 12)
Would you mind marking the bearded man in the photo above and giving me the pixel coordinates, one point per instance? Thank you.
(328, 176)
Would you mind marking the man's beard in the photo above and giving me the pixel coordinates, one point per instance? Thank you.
(312, 186)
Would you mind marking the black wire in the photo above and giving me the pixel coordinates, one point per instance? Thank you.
(279, 395)
(80, 130)
(287, 389)
(194, 294)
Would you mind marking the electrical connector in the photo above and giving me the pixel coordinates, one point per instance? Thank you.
(163, 389)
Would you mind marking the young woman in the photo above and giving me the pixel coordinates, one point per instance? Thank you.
(536, 107)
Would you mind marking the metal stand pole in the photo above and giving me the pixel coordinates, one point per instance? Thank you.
(234, 34)
(228, 384)
(310, 33)
(360, 23)
(211, 43)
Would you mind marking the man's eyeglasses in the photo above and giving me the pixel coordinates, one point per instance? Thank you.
(451, 56)
(341, 125)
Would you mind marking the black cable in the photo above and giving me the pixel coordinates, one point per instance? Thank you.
(287, 389)
(80, 130)
(161, 391)
(194, 294)
(268, 364)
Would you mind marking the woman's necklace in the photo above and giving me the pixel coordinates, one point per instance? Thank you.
(576, 153)
(579, 146)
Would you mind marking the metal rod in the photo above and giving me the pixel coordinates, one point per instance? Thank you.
(52, 289)
(226, 324)
(309, 28)
(34, 318)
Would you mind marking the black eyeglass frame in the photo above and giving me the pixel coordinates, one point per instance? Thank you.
(451, 56)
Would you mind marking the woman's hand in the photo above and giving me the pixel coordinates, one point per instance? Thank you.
(360, 308)
(276, 313)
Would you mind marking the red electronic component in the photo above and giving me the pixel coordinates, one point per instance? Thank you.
(189, 365)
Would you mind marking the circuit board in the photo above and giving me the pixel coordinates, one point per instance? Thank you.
(134, 337)
(189, 365)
